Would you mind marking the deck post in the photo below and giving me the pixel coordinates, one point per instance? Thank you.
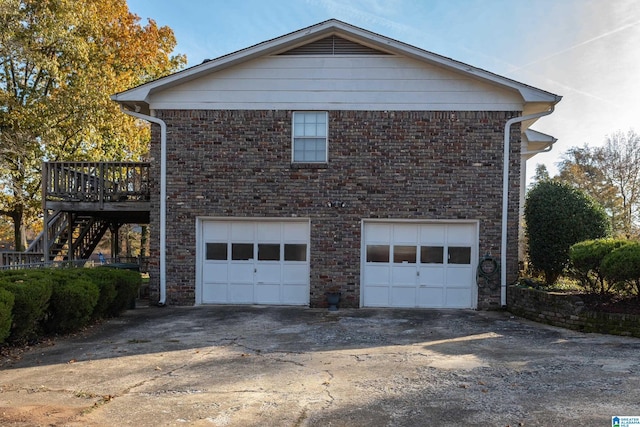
(71, 246)
(115, 240)
(101, 185)
(45, 212)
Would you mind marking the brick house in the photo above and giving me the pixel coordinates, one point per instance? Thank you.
(336, 157)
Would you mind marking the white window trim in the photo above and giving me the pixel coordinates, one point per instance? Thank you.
(293, 138)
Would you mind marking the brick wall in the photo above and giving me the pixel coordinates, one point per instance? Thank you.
(399, 165)
(568, 311)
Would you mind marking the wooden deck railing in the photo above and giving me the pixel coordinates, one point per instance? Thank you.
(12, 258)
(96, 181)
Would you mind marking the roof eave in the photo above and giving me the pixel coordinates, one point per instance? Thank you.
(535, 142)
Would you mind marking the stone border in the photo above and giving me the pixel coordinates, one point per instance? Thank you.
(568, 311)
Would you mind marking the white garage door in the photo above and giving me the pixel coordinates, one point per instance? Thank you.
(428, 265)
(254, 262)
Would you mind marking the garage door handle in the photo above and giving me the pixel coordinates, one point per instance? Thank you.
(417, 273)
(255, 270)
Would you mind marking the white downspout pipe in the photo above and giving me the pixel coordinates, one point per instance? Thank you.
(505, 197)
(163, 198)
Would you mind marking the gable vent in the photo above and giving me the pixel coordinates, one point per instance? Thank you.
(333, 45)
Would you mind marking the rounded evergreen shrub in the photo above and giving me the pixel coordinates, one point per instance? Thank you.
(586, 258)
(106, 283)
(623, 265)
(73, 301)
(103, 280)
(127, 285)
(6, 308)
(32, 291)
(558, 216)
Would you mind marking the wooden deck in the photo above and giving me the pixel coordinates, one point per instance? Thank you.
(112, 190)
(80, 202)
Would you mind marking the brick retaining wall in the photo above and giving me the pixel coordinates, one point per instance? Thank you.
(568, 311)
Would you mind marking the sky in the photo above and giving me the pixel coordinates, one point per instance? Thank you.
(587, 51)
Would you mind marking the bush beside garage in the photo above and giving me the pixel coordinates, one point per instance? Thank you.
(35, 303)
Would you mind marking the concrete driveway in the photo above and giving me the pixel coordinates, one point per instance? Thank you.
(283, 366)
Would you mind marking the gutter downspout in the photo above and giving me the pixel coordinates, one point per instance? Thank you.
(505, 197)
(163, 198)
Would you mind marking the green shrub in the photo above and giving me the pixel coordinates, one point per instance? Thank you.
(6, 307)
(127, 284)
(586, 259)
(622, 265)
(73, 301)
(558, 216)
(31, 290)
(106, 283)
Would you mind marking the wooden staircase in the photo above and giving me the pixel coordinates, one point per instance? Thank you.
(71, 235)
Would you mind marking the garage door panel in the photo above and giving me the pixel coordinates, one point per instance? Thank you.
(267, 293)
(463, 235)
(242, 232)
(430, 297)
(215, 232)
(401, 275)
(215, 273)
(240, 293)
(429, 264)
(458, 297)
(268, 273)
(376, 296)
(378, 233)
(432, 234)
(295, 232)
(294, 293)
(459, 276)
(405, 233)
(403, 296)
(254, 262)
(377, 274)
(215, 293)
(294, 274)
(241, 273)
(431, 276)
(269, 232)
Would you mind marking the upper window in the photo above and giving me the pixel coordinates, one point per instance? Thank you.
(310, 137)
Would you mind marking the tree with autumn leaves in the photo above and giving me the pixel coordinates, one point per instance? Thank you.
(611, 175)
(60, 60)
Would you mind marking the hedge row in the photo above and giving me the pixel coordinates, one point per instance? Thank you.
(34, 302)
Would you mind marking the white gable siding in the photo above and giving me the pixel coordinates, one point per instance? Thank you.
(337, 83)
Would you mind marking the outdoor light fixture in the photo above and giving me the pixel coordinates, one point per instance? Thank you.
(336, 204)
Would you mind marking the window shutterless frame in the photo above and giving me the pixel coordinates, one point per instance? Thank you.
(309, 139)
